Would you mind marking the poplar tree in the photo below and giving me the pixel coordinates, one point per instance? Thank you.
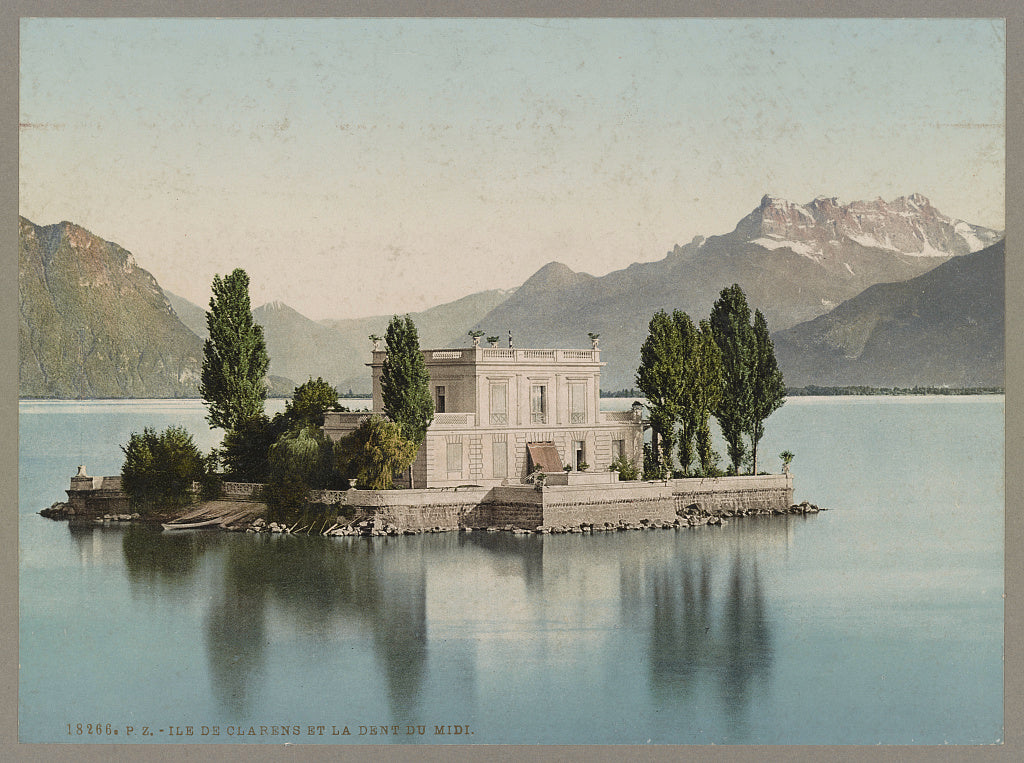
(730, 326)
(768, 391)
(660, 378)
(705, 395)
(234, 357)
(404, 381)
(688, 394)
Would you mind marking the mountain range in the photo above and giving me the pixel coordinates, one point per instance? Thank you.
(813, 269)
(92, 323)
(794, 262)
(943, 328)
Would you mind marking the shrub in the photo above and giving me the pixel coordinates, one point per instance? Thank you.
(246, 449)
(538, 478)
(159, 469)
(310, 400)
(653, 468)
(627, 469)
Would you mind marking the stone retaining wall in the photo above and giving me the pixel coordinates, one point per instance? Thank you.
(520, 506)
(421, 509)
(761, 493)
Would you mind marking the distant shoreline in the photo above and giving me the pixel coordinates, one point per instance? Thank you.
(808, 391)
(897, 391)
(816, 391)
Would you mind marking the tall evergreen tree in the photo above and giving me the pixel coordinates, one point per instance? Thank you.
(706, 393)
(730, 325)
(234, 357)
(404, 381)
(768, 391)
(687, 393)
(660, 378)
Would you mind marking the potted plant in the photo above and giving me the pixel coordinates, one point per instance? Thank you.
(476, 337)
(787, 458)
(493, 341)
(538, 478)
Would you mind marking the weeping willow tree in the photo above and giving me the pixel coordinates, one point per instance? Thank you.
(375, 452)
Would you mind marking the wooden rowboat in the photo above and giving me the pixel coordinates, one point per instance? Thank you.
(191, 525)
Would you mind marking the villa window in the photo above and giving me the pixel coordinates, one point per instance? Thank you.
(539, 404)
(499, 456)
(578, 451)
(618, 449)
(577, 403)
(499, 403)
(439, 404)
(455, 457)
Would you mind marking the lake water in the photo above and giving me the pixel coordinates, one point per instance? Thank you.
(879, 621)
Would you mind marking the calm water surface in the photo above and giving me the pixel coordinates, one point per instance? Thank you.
(878, 621)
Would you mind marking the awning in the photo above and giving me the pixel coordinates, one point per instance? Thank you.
(544, 455)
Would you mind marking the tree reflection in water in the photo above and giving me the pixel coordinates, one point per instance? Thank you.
(316, 582)
(700, 646)
(694, 597)
(153, 556)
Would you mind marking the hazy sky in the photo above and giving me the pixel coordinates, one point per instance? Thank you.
(358, 167)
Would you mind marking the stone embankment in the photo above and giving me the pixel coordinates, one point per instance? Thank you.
(687, 502)
(366, 526)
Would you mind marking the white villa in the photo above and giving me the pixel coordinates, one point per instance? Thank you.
(502, 412)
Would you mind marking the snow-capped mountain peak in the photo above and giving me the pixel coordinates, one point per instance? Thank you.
(908, 225)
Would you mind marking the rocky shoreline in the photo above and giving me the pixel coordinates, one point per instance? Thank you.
(366, 526)
(693, 516)
(62, 510)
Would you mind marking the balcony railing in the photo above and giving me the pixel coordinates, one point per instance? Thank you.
(504, 355)
(454, 420)
(519, 355)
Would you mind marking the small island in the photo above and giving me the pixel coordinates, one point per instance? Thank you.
(464, 438)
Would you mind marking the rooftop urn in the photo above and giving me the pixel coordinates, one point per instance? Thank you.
(594, 338)
(81, 471)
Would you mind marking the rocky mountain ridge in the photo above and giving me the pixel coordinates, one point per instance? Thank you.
(795, 262)
(94, 324)
(908, 225)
